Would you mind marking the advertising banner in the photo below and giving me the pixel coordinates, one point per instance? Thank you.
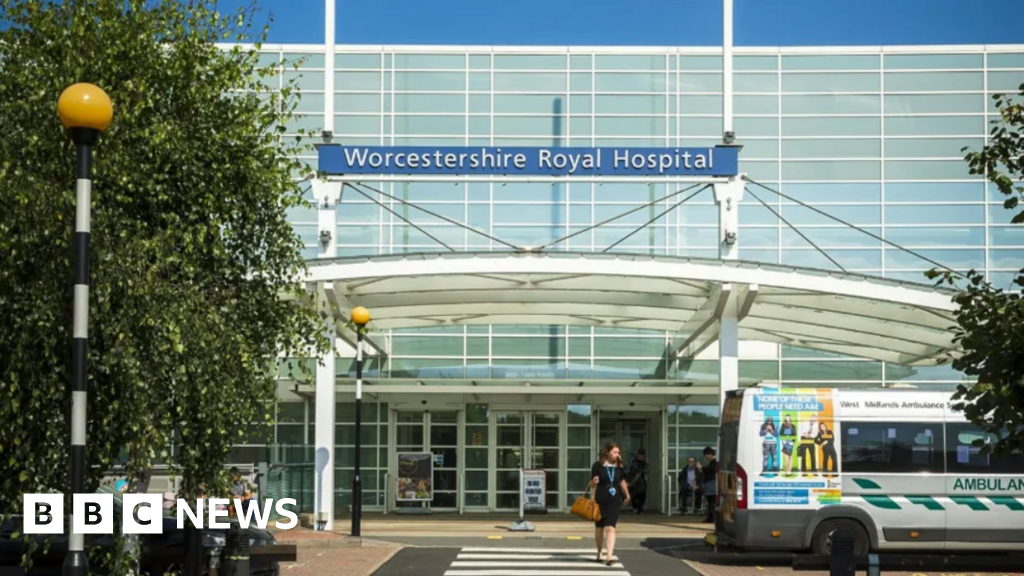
(534, 490)
(415, 477)
(798, 440)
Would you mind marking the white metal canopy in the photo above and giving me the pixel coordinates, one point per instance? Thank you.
(851, 314)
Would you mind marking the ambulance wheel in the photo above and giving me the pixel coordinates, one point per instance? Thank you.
(821, 543)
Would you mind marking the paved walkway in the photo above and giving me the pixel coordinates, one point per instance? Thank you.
(716, 570)
(363, 561)
(495, 526)
(338, 554)
(447, 554)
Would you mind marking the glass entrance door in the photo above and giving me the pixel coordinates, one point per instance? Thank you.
(547, 453)
(509, 436)
(633, 433)
(438, 434)
(538, 436)
(630, 435)
(409, 437)
(444, 442)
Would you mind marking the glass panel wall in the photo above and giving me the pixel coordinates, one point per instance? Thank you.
(509, 439)
(875, 141)
(579, 450)
(477, 450)
(444, 443)
(410, 436)
(374, 451)
(547, 452)
(804, 119)
(691, 428)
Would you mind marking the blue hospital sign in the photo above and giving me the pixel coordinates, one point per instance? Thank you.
(498, 161)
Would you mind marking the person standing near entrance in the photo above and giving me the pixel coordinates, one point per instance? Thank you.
(610, 492)
(240, 490)
(710, 482)
(638, 476)
(691, 479)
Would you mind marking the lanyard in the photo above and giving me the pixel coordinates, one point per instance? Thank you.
(610, 471)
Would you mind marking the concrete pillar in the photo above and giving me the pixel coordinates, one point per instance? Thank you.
(324, 418)
(728, 196)
(728, 350)
(326, 195)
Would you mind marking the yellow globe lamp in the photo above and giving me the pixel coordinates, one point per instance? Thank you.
(85, 105)
(360, 316)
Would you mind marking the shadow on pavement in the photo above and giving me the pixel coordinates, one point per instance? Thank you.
(697, 551)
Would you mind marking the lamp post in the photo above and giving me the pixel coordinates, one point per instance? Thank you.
(360, 317)
(85, 110)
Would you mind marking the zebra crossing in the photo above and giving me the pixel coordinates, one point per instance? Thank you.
(532, 562)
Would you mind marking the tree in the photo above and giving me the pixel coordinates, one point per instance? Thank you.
(192, 250)
(991, 319)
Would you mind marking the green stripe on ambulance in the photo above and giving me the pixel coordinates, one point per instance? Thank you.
(975, 503)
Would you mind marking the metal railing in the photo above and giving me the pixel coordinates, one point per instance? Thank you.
(292, 481)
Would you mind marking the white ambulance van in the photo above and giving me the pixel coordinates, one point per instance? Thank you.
(898, 468)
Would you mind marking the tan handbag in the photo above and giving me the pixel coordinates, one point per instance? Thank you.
(586, 508)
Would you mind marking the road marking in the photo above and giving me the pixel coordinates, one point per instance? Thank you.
(494, 537)
(531, 550)
(532, 562)
(507, 564)
(541, 555)
(532, 573)
(574, 537)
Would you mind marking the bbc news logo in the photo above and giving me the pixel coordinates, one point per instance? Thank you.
(143, 513)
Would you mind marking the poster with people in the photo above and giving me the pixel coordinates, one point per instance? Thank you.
(798, 442)
(415, 477)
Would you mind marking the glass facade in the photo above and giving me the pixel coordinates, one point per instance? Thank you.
(874, 138)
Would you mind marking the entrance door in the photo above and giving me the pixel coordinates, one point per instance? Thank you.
(509, 439)
(443, 442)
(538, 435)
(546, 453)
(409, 437)
(632, 433)
(438, 434)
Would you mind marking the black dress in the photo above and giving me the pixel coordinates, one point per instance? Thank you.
(609, 477)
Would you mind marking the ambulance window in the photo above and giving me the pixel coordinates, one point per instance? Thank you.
(964, 452)
(891, 448)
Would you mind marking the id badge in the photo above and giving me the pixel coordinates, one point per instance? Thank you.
(611, 491)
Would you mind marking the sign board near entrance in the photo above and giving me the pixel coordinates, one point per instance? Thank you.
(415, 477)
(534, 490)
(521, 161)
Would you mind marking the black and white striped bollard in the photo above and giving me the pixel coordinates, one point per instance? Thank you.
(85, 110)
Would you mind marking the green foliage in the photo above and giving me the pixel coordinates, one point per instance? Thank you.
(991, 319)
(191, 248)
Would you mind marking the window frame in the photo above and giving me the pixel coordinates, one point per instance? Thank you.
(906, 466)
(997, 464)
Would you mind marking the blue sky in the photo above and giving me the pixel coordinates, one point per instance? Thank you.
(648, 22)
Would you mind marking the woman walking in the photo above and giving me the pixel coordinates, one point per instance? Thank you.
(610, 492)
